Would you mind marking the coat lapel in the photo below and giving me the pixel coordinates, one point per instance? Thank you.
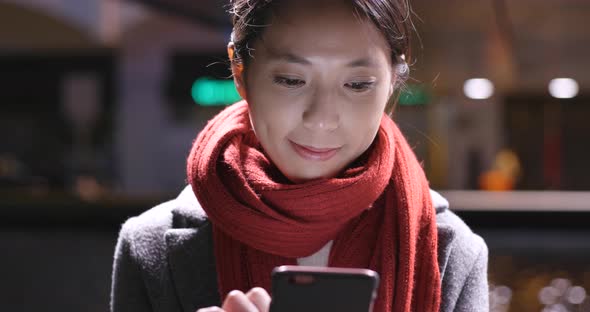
(192, 265)
(446, 236)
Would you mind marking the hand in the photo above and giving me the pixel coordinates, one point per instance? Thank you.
(256, 300)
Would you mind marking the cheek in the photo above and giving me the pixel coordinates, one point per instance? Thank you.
(273, 114)
(272, 117)
(370, 108)
(365, 116)
(271, 121)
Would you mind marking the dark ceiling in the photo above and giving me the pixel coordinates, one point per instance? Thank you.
(209, 12)
(517, 43)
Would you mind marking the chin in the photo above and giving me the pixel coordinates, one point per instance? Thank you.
(308, 174)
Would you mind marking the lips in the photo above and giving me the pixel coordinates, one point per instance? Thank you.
(314, 153)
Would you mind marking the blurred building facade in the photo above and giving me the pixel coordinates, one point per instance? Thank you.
(144, 149)
(128, 55)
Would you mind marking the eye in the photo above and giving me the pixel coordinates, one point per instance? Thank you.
(289, 82)
(360, 86)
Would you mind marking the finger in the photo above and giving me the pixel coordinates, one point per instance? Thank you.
(260, 298)
(236, 301)
(210, 309)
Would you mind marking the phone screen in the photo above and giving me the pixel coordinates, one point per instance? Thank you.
(297, 288)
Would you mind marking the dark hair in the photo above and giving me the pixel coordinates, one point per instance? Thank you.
(391, 17)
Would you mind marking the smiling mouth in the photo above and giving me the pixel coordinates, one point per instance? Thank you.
(314, 153)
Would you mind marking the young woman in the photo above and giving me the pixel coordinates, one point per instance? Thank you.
(308, 169)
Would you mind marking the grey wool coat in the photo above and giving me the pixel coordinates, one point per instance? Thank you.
(164, 261)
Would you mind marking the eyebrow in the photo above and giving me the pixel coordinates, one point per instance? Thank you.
(292, 58)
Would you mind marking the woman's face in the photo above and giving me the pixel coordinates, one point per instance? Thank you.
(317, 86)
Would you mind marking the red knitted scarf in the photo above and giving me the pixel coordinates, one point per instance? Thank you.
(378, 212)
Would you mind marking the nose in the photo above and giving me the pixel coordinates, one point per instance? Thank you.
(322, 114)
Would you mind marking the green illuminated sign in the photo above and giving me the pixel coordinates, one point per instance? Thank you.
(214, 92)
(414, 95)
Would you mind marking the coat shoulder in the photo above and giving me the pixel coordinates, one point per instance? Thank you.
(463, 260)
(145, 233)
(455, 233)
(144, 237)
(144, 249)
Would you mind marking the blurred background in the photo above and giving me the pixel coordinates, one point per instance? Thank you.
(101, 99)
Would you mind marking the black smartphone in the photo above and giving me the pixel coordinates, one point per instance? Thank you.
(301, 288)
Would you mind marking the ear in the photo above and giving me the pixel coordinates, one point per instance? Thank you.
(237, 69)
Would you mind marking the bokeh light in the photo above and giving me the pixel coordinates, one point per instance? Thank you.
(478, 88)
(563, 88)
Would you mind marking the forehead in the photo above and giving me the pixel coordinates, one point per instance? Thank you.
(328, 28)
